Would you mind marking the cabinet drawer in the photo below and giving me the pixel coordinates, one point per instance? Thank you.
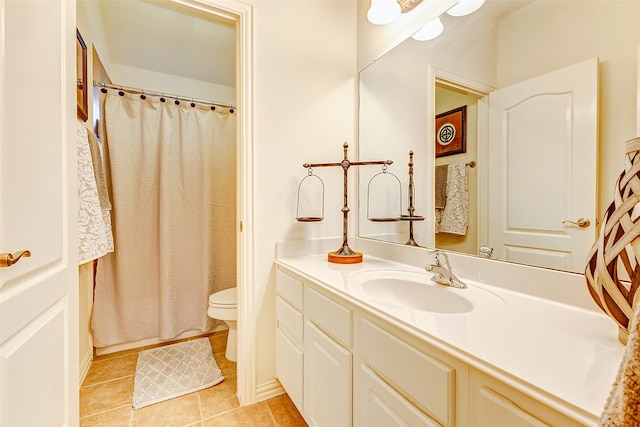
(382, 406)
(290, 368)
(427, 381)
(289, 319)
(330, 316)
(289, 289)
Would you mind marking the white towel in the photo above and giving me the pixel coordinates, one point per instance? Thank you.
(454, 218)
(95, 237)
(622, 405)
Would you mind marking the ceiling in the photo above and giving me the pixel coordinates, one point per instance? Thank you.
(154, 37)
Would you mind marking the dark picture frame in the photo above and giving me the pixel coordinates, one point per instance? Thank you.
(451, 130)
(81, 78)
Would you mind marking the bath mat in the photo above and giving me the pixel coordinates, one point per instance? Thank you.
(175, 370)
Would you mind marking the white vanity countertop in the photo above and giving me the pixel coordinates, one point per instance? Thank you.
(564, 356)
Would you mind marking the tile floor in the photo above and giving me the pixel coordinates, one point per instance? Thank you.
(105, 399)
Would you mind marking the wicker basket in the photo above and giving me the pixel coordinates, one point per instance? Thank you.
(613, 264)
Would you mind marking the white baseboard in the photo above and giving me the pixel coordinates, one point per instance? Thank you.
(268, 390)
(85, 365)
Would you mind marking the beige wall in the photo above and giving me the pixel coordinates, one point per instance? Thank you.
(304, 86)
(175, 85)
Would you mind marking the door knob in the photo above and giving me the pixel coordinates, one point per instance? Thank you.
(581, 222)
(7, 260)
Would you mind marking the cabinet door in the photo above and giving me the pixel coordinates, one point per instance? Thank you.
(379, 405)
(494, 409)
(327, 380)
(493, 403)
(289, 367)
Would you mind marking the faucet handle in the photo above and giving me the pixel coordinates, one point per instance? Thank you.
(441, 258)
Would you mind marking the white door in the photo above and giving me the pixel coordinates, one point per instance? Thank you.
(542, 168)
(38, 193)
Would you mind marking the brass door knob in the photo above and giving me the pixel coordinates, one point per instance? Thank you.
(581, 222)
(7, 259)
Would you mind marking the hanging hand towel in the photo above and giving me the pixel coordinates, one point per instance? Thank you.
(98, 171)
(441, 186)
(95, 238)
(454, 218)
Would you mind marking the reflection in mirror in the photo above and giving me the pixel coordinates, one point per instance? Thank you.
(522, 216)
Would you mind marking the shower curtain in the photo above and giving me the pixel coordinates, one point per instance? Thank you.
(171, 175)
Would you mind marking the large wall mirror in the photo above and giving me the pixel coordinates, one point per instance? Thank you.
(549, 90)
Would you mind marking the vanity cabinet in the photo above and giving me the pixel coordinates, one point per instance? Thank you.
(345, 365)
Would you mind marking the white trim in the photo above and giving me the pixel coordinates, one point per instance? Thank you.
(482, 223)
(85, 365)
(268, 390)
(481, 90)
(242, 14)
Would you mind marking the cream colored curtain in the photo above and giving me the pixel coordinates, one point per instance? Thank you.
(171, 171)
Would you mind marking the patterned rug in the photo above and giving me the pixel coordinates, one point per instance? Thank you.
(175, 370)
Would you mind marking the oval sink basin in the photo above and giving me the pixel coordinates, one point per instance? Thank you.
(418, 296)
(415, 291)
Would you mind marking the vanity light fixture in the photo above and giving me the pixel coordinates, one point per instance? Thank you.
(430, 31)
(434, 28)
(465, 7)
(385, 11)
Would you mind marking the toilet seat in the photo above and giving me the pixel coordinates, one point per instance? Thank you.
(227, 298)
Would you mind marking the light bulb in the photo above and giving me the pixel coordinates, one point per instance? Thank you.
(465, 7)
(430, 31)
(383, 11)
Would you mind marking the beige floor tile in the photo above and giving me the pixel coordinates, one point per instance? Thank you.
(177, 412)
(256, 415)
(120, 417)
(285, 412)
(218, 342)
(227, 367)
(109, 369)
(104, 396)
(219, 398)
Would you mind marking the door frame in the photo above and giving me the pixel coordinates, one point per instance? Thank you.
(242, 15)
(482, 90)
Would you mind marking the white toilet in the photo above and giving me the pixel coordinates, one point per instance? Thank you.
(223, 305)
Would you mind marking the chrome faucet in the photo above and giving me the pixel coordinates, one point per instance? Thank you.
(442, 272)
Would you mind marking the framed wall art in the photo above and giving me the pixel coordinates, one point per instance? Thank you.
(81, 78)
(451, 127)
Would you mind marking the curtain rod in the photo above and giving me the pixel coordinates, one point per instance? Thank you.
(137, 91)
